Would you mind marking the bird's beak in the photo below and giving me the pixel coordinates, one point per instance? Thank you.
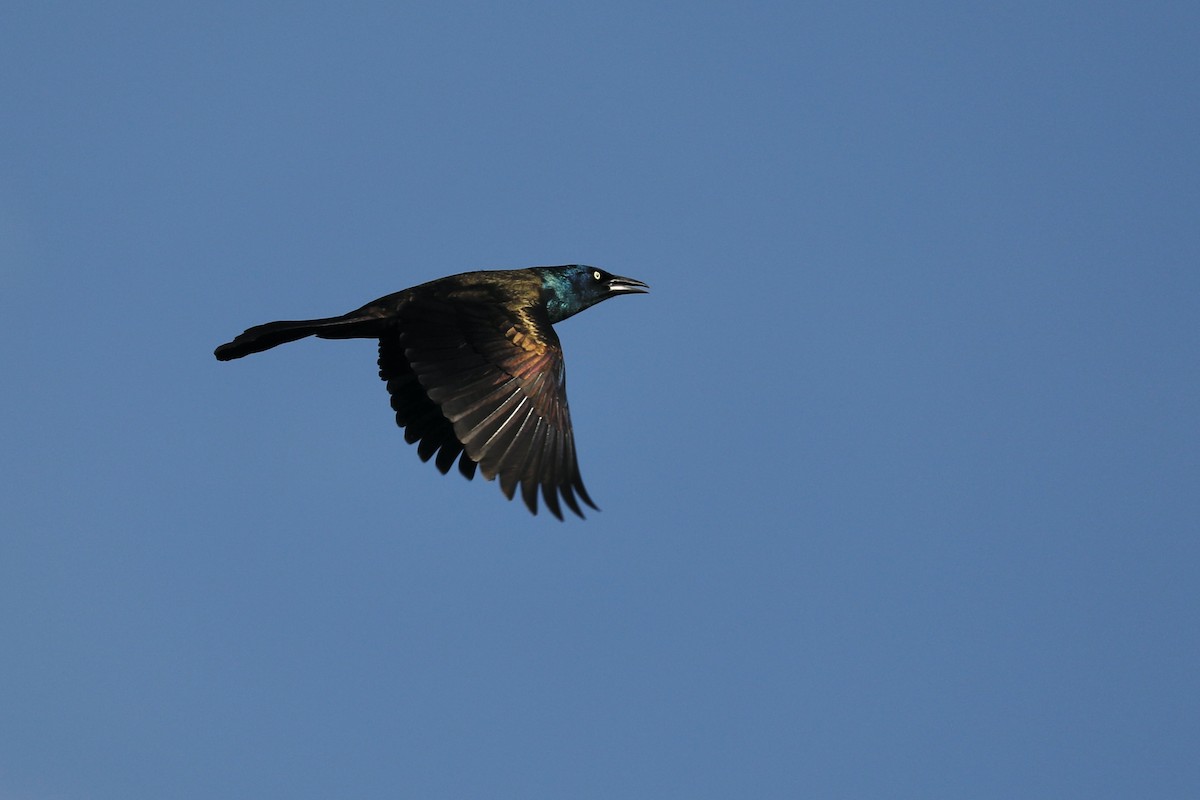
(619, 285)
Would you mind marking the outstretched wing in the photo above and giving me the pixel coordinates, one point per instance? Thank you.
(485, 385)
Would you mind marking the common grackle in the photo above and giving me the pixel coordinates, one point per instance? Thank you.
(475, 370)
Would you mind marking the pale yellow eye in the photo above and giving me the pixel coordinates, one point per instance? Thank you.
(596, 274)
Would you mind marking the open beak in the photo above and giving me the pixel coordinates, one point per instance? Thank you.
(618, 285)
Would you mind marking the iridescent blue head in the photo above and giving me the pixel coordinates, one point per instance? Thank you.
(574, 287)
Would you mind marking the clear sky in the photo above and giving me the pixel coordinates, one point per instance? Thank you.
(899, 462)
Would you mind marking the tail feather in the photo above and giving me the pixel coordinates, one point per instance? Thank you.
(273, 334)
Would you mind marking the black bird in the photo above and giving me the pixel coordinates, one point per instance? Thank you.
(475, 370)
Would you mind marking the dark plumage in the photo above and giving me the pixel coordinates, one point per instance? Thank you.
(475, 370)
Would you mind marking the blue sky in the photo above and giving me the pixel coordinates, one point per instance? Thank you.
(898, 461)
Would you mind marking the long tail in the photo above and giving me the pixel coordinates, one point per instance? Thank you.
(273, 334)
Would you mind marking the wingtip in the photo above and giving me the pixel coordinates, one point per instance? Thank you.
(583, 495)
(550, 495)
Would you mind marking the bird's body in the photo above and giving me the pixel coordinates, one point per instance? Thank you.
(475, 370)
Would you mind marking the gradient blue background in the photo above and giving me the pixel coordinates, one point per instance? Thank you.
(898, 462)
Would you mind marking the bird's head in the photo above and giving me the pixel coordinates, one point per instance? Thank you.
(574, 287)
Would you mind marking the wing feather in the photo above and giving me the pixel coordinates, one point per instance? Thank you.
(482, 382)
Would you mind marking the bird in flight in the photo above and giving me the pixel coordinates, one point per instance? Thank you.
(475, 370)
